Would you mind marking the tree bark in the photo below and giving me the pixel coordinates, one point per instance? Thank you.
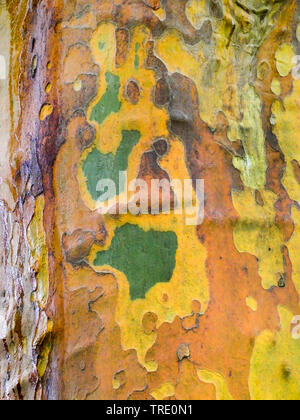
(124, 306)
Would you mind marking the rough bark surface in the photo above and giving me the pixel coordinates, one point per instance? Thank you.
(146, 307)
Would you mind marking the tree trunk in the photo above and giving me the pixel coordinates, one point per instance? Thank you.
(128, 305)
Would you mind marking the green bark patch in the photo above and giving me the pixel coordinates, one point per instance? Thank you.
(109, 102)
(99, 166)
(146, 258)
(137, 58)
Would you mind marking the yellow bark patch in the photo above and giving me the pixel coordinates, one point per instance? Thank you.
(298, 32)
(222, 392)
(275, 364)
(253, 166)
(257, 233)
(77, 86)
(287, 130)
(48, 87)
(164, 391)
(251, 303)
(276, 87)
(37, 241)
(294, 246)
(284, 59)
(46, 110)
(44, 356)
(196, 11)
(160, 13)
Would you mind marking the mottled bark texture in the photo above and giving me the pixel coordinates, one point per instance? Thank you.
(146, 307)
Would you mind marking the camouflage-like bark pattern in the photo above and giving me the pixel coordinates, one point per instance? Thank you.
(165, 89)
